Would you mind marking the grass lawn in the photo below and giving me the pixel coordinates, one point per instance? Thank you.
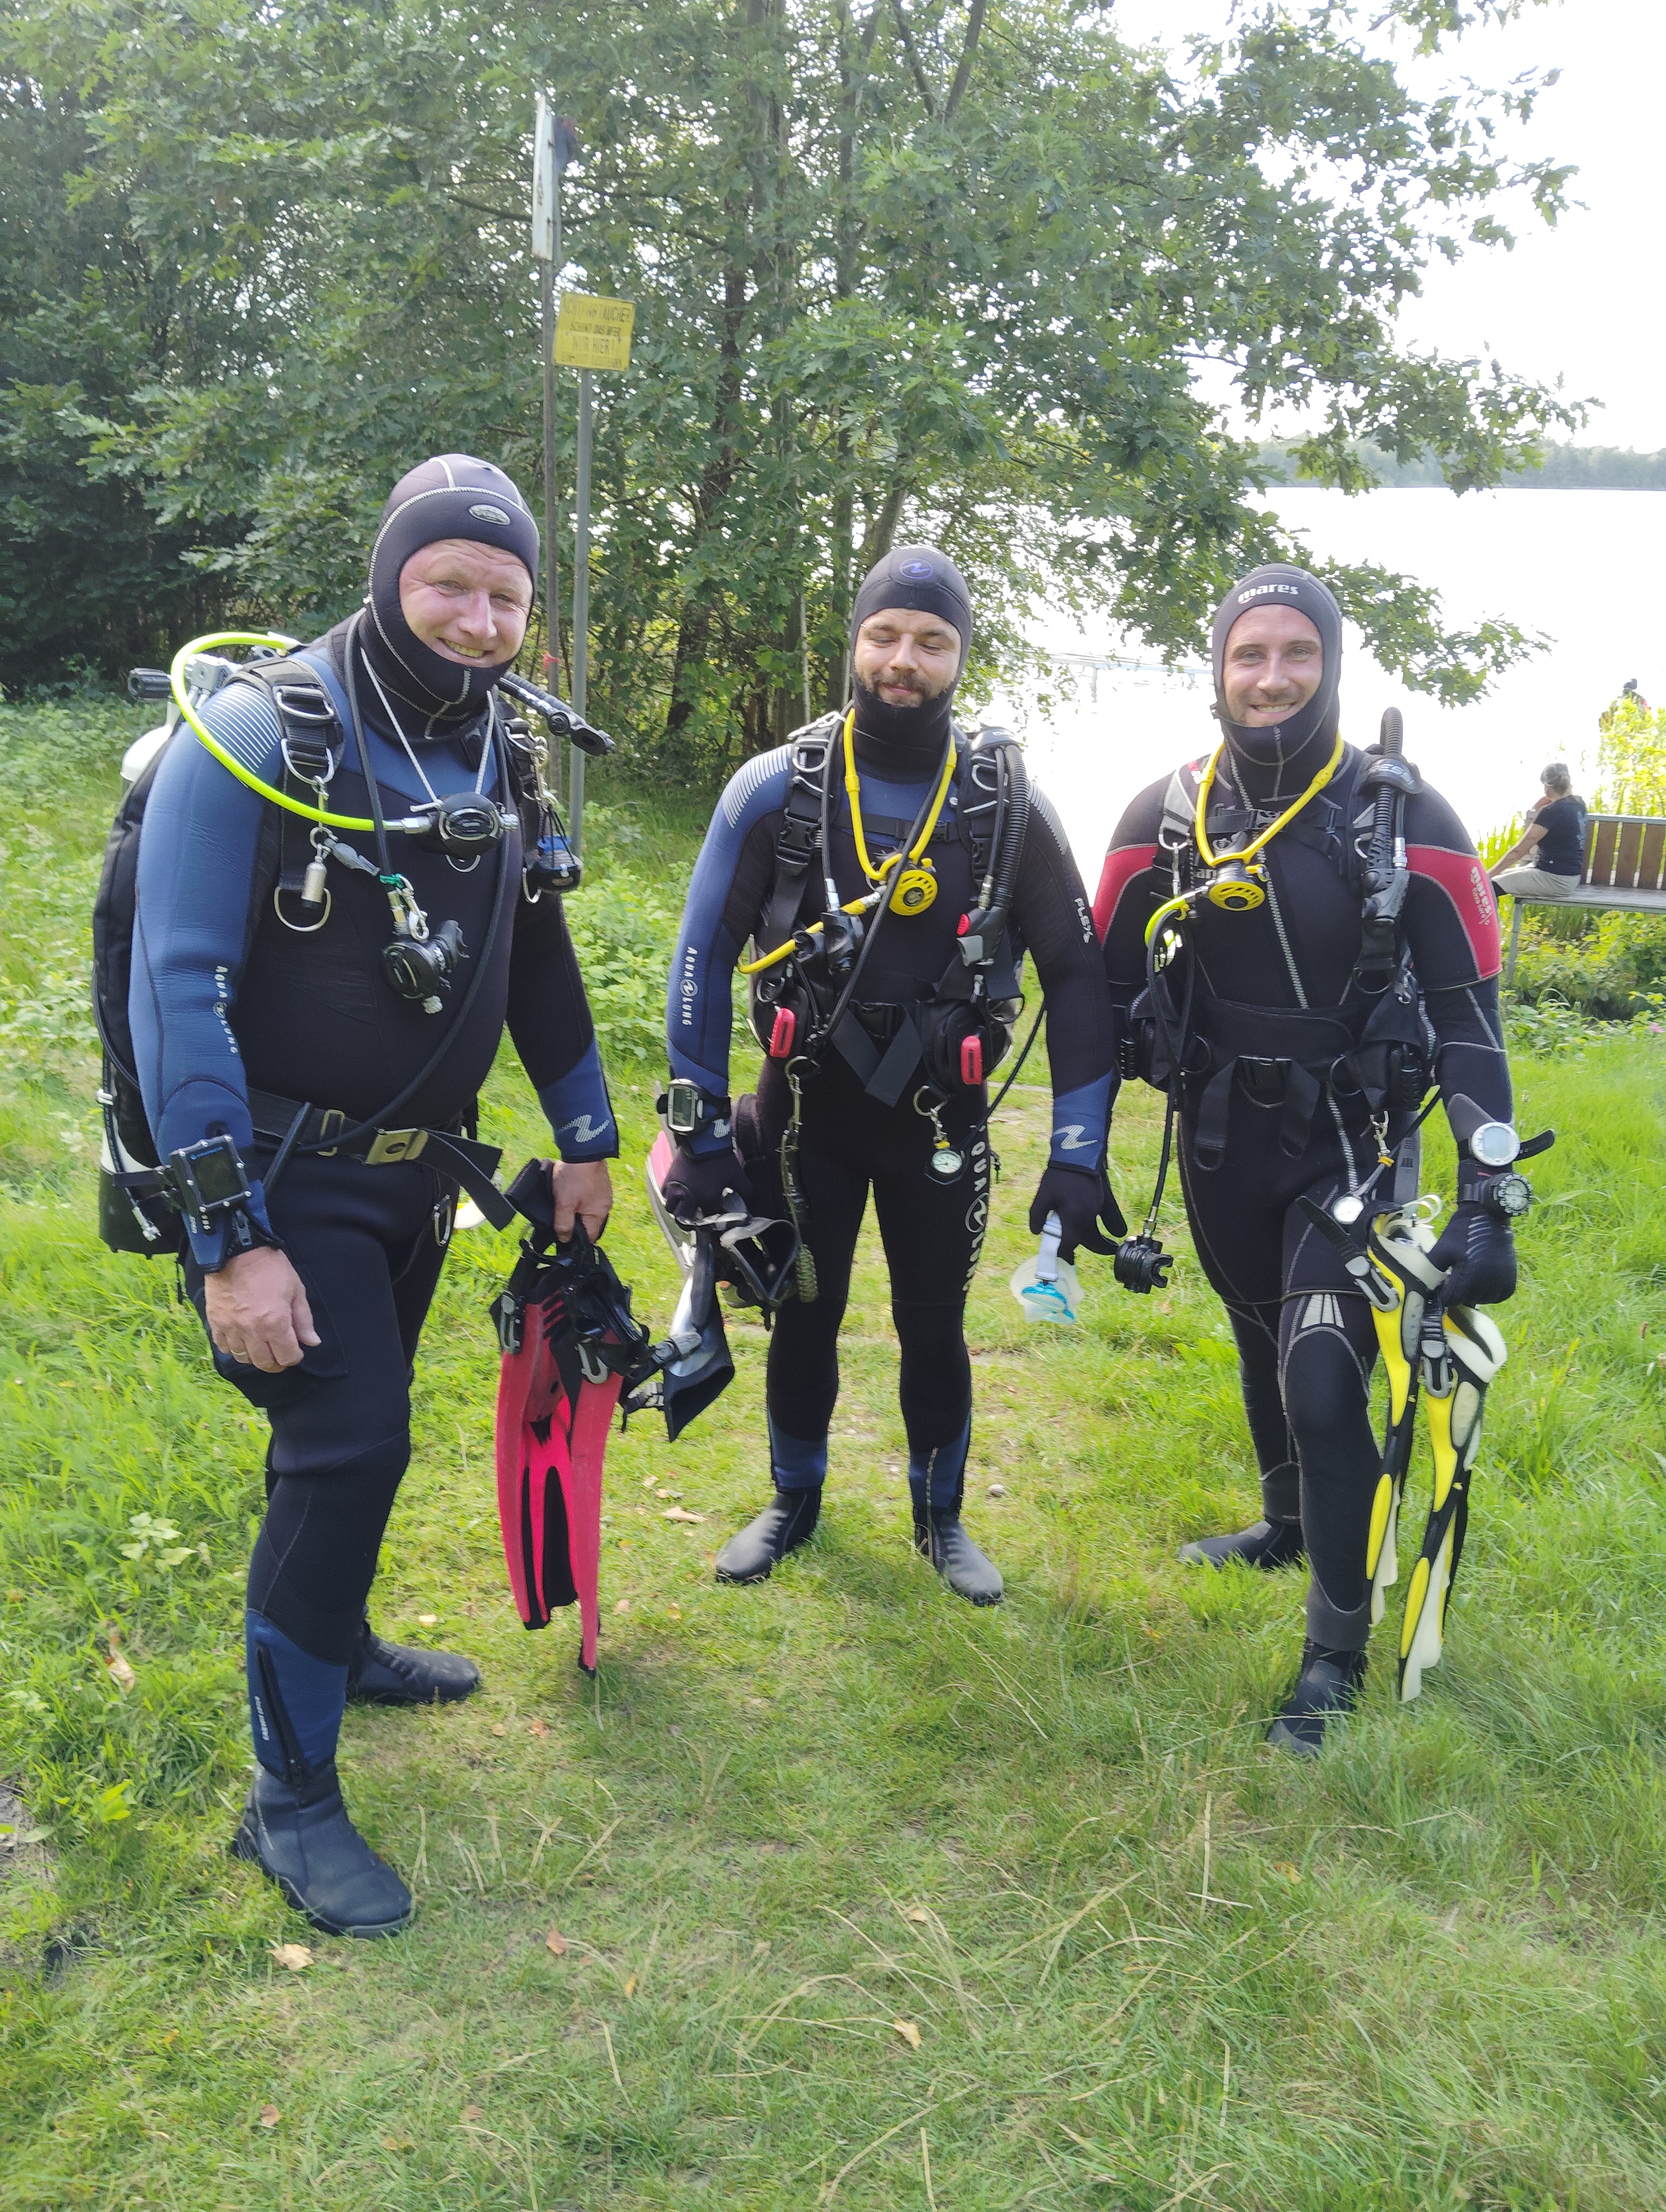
(833, 1891)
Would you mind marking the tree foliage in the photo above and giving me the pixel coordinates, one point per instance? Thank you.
(899, 265)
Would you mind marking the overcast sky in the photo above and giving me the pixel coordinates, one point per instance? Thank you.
(1582, 301)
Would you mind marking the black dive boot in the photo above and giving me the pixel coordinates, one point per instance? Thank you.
(1267, 1544)
(942, 1539)
(788, 1520)
(298, 1834)
(382, 1674)
(1330, 1683)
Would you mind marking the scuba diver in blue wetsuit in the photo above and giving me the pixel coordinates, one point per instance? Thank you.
(338, 1002)
(1300, 1015)
(889, 870)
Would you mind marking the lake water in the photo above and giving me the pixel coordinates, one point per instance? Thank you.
(1585, 569)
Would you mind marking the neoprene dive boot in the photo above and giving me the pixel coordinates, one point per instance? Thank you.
(299, 1835)
(788, 1520)
(1328, 1684)
(1265, 1545)
(383, 1674)
(941, 1537)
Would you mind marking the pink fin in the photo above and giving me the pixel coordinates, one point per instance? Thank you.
(582, 1479)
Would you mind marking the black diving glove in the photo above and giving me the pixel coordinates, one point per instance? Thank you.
(699, 1185)
(1478, 1251)
(1082, 1199)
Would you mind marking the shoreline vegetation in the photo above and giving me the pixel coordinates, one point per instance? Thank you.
(832, 1892)
(1563, 468)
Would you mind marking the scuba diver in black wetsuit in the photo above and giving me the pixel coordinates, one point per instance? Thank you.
(1306, 1039)
(285, 1008)
(890, 873)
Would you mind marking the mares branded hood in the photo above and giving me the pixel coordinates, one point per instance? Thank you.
(1311, 730)
(921, 578)
(452, 495)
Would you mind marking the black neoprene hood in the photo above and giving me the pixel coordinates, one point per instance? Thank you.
(1278, 585)
(451, 495)
(923, 580)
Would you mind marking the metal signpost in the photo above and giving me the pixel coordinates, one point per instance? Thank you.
(590, 334)
(555, 143)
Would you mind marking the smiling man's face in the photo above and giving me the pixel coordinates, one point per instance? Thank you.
(904, 657)
(1273, 664)
(469, 602)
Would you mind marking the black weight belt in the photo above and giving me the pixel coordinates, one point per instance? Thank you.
(448, 1152)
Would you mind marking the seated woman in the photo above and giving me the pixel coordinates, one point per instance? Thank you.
(1548, 859)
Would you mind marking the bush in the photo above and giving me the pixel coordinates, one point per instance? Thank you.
(1597, 963)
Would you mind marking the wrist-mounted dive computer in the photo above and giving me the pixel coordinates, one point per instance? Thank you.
(687, 1109)
(208, 1180)
(1495, 1145)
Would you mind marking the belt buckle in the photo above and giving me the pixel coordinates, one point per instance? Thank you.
(331, 1123)
(390, 1145)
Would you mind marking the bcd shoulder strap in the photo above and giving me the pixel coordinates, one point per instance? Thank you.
(310, 708)
(799, 836)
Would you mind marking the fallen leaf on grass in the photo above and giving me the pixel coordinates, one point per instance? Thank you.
(270, 2116)
(474, 2112)
(1289, 1871)
(120, 1673)
(427, 1621)
(675, 1611)
(498, 1729)
(538, 1728)
(675, 1513)
(630, 1987)
(398, 2142)
(920, 1916)
(555, 1942)
(908, 2031)
(623, 1606)
(295, 1956)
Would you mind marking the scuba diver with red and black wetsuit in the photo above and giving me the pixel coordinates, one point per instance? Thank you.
(881, 1026)
(1306, 1044)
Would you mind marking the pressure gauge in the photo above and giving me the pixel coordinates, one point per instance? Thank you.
(1495, 1145)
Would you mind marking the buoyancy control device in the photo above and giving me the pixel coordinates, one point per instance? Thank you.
(807, 976)
(1376, 1047)
(137, 1212)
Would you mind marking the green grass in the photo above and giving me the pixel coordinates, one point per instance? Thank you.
(1149, 1963)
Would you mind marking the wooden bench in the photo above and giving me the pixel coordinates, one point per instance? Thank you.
(1625, 867)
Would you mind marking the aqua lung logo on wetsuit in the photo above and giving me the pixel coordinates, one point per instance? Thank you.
(917, 572)
(978, 1213)
(689, 988)
(1267, 590)
(484, 514)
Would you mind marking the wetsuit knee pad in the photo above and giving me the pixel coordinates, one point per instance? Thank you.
(1324, 1369)
(315, 1556)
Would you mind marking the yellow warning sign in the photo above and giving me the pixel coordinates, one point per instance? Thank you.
(594, 333)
